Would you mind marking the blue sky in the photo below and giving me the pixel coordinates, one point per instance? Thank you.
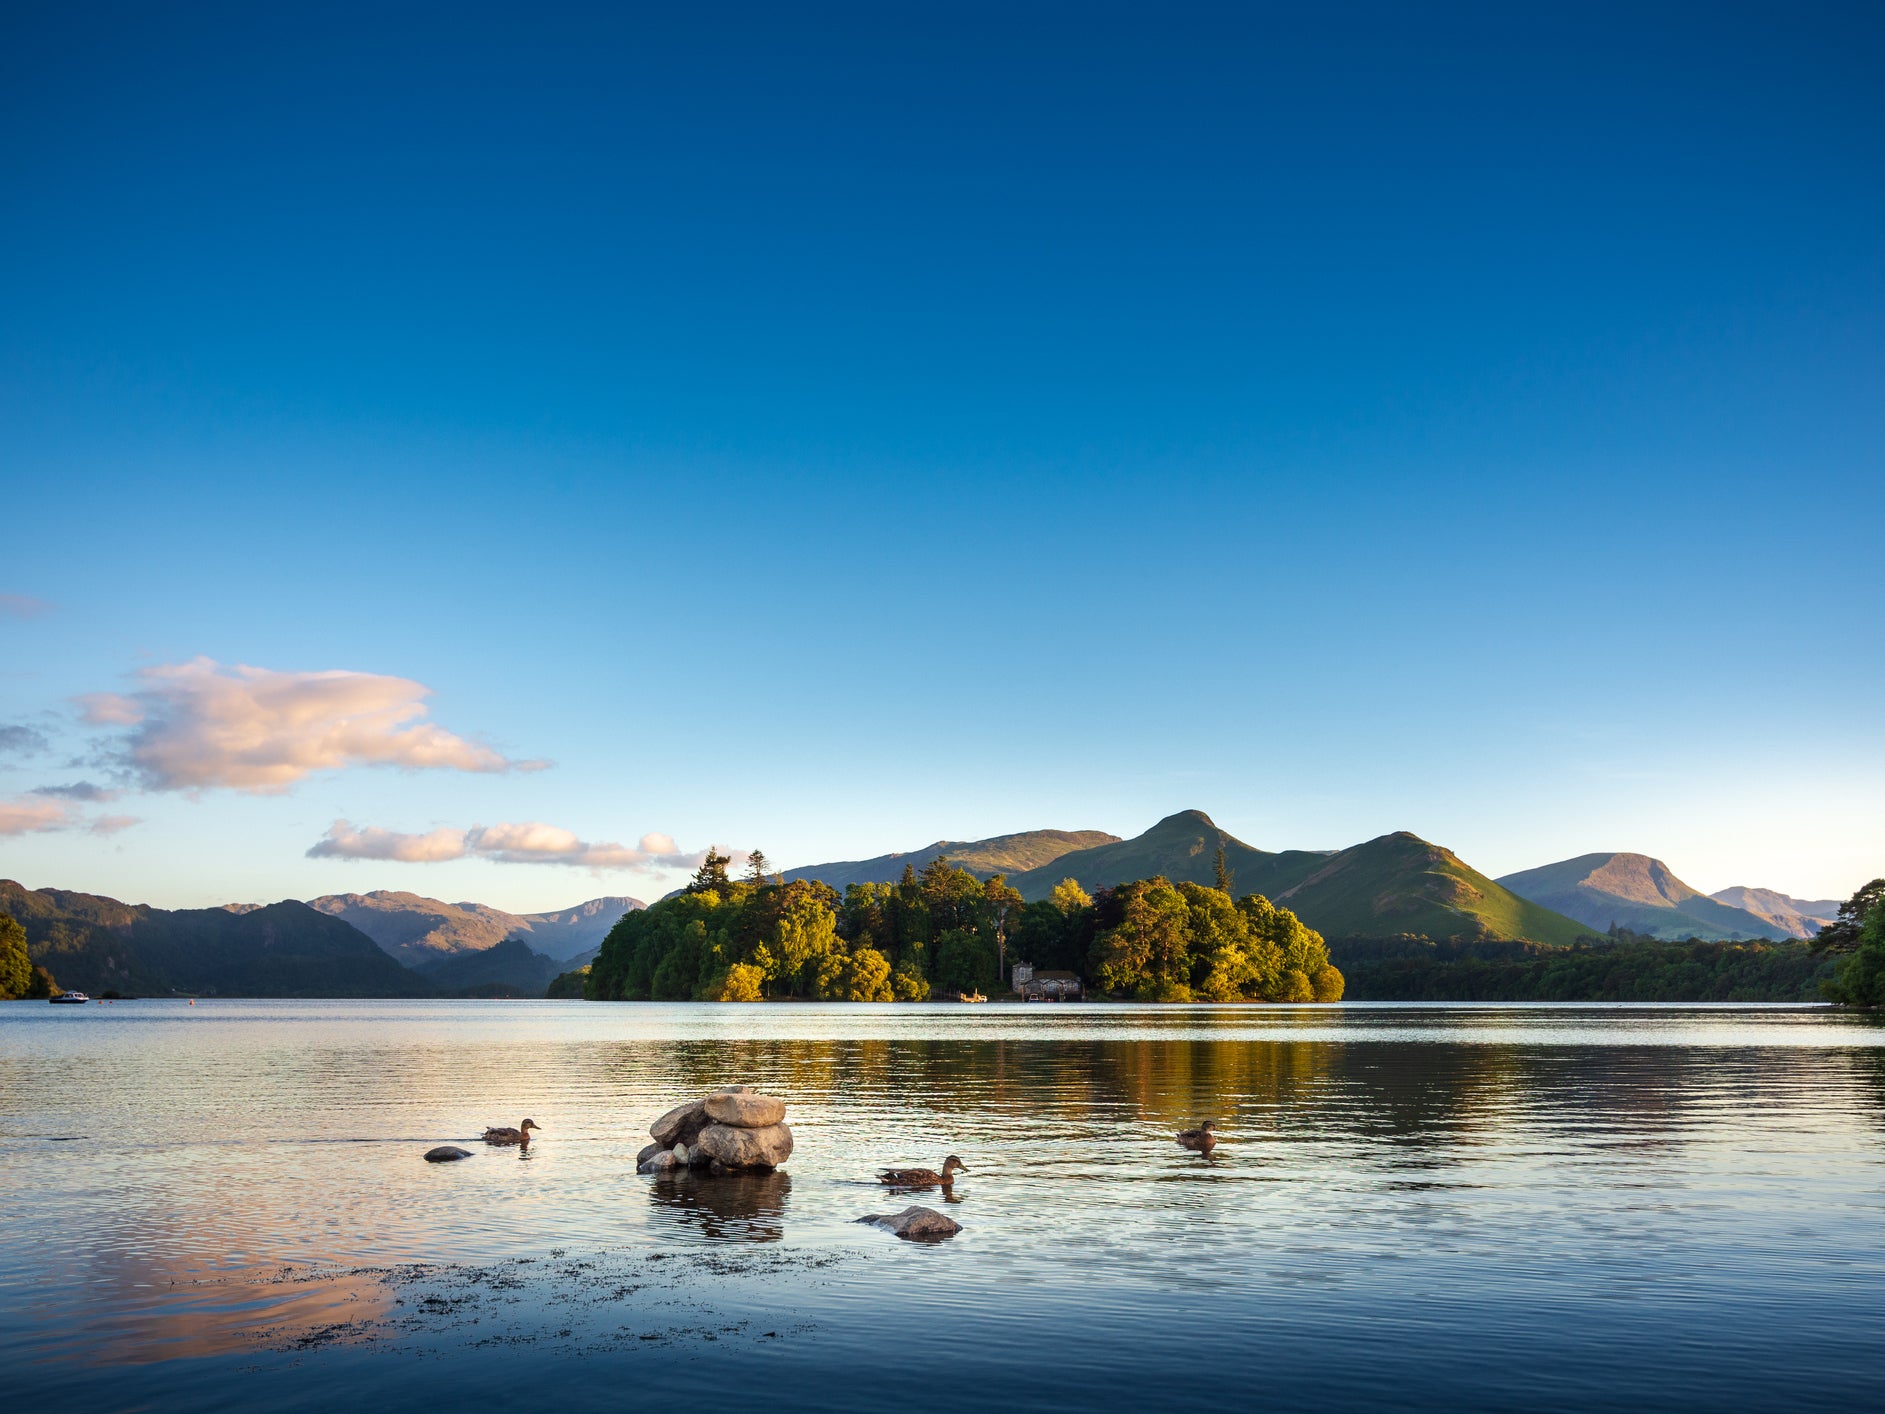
(837, 429)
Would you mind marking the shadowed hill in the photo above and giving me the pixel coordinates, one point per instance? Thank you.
(1004, 854)
(1635, 892)
(1803, 918)
(511, 969)
(287, 949)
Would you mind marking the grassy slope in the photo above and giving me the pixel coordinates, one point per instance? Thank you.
(1182, 848)
(1400, 883)
(1004, 854)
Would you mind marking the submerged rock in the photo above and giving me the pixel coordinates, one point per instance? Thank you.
(648, 1152)
(445, 1153)
(746, 1148)
(661, 1162)
(915, 1224)
(744, 1109)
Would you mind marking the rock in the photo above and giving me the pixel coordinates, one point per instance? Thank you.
(445, 1153)
(662, 1162)
(744, 1109)
(647, 1153)
(915, 1224)
(680, 1155)
(737, 1090)
(747, 1148)
(680, 1124)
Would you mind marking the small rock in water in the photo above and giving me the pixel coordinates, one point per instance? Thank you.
(915, 1224)
(647, 1153)
(662, 1162)
(680, 1155)
(445, 1153)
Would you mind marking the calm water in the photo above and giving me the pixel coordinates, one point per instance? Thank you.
(1498, 1207)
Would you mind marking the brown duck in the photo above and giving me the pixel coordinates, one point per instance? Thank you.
(519, 1136)
(924, 1178)
(1202, 1139)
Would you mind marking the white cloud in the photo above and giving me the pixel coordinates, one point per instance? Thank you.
(527, 842)
(201, 726)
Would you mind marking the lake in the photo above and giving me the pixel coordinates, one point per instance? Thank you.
(1502, 1207)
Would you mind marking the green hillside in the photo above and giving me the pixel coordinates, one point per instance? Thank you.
(1639, 893)
(1400, 883)
(1182, 848)
(1396, 884)
(1004, 854)
(510, 969)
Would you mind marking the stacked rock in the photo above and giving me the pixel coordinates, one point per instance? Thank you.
(734, 1130)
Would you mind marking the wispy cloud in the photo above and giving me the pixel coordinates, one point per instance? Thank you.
(528, 842)
(22, 606)
(17, 739)
(79, 790)
(202, 726)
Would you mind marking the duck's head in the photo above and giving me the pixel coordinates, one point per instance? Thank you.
(952, 1165)
(529, 1124)
(1209, 1126)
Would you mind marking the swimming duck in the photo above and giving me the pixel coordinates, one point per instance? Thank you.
(1202, 1139)
(924, 1178)
(519, 1136)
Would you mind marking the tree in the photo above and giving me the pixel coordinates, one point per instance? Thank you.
(965, 961)
(712, 873)
(1842, 934)
(742, 982)
(1860, 980)
(1004, 905)
(1069, 897)
(869, 977)
(758, 867)
(16, 968)
(1226, 881)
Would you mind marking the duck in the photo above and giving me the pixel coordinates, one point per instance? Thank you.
(1201, 1139)
(519, 1136)
(924, 1178)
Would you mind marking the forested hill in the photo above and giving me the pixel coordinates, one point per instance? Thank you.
(1003, 854)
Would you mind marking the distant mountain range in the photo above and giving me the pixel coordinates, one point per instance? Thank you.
(1637, 892)
(1004, 854)
(421, 931)
(1800, 918)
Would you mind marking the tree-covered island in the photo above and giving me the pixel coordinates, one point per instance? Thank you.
(944, 931)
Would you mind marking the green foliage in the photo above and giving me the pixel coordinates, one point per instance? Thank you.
(1860, 980)
(1842, 934)
(1160, 941)
(1629, 968)
(16, 968)
(965, 961)
(739, 982)
(568, 986)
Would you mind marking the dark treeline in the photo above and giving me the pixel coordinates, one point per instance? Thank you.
(944, 930)
(1623, 967)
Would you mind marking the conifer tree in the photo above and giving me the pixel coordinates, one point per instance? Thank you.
(1226, 881)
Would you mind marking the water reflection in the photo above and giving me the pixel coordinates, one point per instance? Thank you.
(747, 1207)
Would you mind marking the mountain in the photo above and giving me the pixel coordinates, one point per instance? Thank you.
(1636, 892)
(509, 969)
(1395, 884)
(1799, 918)
(1182, 848)
(417, 930)
(287, 949)
(1004, 854)
(1401, 883)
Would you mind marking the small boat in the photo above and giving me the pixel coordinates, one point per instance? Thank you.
(69, 999)
(970, 997)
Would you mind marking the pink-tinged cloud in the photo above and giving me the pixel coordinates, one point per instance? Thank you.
(111, 824)
(201, 726)
(528, 842)
(32, 817)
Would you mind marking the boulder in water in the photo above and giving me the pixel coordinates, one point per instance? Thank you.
(915, 1224)
(738, 1148)
(744, 1109)
(661, 1162)
(680, 1124)
(445, 1154)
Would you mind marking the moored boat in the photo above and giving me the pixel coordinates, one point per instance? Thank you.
(69, 999)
